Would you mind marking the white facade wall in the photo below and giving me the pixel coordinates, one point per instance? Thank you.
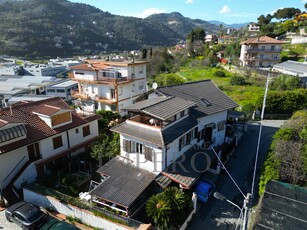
(29, 175)
(139, 158)
(77, 138)
(87, 75)
(46, 145)
(8, 164)
(8, 70)
(219, 136)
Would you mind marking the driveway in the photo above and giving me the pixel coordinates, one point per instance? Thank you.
(218, 214)
(5, 225)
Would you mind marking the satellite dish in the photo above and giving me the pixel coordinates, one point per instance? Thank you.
(154, 85)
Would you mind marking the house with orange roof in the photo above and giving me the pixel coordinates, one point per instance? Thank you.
(110, 85)
(35, 135)
(260, 52)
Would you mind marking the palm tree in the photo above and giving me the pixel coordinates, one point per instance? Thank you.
(159, 209)
(176, 197)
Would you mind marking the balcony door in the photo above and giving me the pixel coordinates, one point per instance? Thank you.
(34, 152)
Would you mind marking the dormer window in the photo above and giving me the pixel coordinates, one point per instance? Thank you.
(54, 116)
(60, 118)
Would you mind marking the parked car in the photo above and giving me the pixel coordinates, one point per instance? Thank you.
(26, 215)
(204, 189)
(55, 224)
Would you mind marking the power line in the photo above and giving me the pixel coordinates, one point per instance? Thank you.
(228, 173)
(260, 132)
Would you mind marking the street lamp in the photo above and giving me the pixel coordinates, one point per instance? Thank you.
(219, 196)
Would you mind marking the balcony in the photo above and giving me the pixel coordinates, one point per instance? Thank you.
(76, 94)
(149, 121)
(104, 100)
(257, 50)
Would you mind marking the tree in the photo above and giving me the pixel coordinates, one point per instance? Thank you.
(106, 147)
(108, 118)
(167, 208)
(159, 209)
(286, 13)
(287, 160)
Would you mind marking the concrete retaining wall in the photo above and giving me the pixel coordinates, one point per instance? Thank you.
(69, 210)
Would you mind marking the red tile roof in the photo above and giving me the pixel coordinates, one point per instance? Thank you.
(4, 120)
(37, 129)
(261, 40)
(47, 110)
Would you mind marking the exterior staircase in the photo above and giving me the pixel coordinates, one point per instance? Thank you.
(10, 192)
(11, 195)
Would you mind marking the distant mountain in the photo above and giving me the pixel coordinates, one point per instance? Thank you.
(180, 24)
(61, 28)
(233, 26)
(40, 28)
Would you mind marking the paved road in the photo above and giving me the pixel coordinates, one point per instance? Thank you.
(5, 225)
(218, 214)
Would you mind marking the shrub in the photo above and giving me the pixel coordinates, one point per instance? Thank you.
(237, 80)
(220, 73)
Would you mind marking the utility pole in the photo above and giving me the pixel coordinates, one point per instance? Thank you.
(246, 206)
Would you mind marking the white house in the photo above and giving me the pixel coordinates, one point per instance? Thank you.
(260, 52)
(62, 89)
(36, 134)
(111, 85)
(166, 136)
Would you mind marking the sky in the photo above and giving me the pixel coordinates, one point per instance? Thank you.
(227, 11)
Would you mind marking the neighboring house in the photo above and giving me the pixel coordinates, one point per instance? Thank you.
(111, 85)
(252, 27)
(260, 52)
(62, 89)
(283, 206)
(10, 70)
(293, 68)
(226, 39)
(34, 135)
(43, 69)
(27, 98)
(173, 128)
(210, 38)
(17, 85)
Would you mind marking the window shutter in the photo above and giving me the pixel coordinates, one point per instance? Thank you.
(127, 146)
(149, 154)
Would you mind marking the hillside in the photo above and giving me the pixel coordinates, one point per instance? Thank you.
(182, 25)
(61, 28)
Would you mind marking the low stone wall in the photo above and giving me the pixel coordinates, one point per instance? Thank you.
(185, 224)
(69, 210)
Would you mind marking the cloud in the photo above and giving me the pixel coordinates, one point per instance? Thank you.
(151, 11)
(304, 1)
(189, 1)
(225, 10)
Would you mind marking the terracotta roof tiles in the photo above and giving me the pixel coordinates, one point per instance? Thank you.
(37, 129)
(261, 40)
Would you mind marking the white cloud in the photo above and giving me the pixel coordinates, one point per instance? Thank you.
(225, 10)
(304, 1)
(151, 11)
(189, 1)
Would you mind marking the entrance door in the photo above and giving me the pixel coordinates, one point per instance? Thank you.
(208, 134)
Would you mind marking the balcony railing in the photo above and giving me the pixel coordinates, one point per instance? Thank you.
(76, 94)
(101, 79)
(257, 50)
(105, 100)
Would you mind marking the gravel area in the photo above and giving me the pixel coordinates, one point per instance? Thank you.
(5, 225)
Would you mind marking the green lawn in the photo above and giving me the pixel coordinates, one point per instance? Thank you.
(243, 95)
